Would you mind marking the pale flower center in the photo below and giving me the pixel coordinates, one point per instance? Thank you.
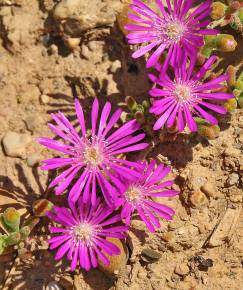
(92, 156)
(182, 93)
(174, 31)
(133, 194)
(83, 233)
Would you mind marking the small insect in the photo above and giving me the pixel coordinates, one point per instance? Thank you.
(202, 263)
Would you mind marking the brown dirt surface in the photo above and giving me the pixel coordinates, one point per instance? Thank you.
(42, 70)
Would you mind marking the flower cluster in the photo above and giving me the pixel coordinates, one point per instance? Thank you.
(104, 188)
(178, 30)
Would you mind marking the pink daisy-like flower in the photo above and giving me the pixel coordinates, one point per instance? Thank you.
(136, 196)
(95, 158)
(177, 29)
(83, 232)
(187, 95)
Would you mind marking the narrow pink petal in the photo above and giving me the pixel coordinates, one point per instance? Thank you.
(144, 50)
(80, 115)
(94, 115)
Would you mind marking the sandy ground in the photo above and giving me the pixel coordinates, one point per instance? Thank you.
(202, 248)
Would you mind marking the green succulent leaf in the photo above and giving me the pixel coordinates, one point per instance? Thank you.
(13, 238)
(2, 243)
(11, 219)
(24, 232)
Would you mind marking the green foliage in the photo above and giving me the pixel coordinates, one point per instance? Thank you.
(2, 243)
(220, 42)
(11, 219)
(13, 232)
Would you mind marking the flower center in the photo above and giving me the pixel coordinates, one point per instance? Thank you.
(93, 156)
(133, 194)
(175, 30)
(182, 93)
(83, 233)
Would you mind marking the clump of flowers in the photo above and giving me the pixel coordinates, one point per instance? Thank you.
(99, 180)
(93, 157)
(176, 29)
(185, 96)
(105, 188)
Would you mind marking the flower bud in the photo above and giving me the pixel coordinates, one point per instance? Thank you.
(11, 219)
(240, 101)
(230, 104)
(231, 71)
(226, 43)
(218, 10)
(131, 103)
(139, 116)
(210, 132)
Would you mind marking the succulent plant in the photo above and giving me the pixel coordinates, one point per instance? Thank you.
(236, 84)
(14, 233)
(140, 112)
(206, 129)
(231, 14)
(220, 42)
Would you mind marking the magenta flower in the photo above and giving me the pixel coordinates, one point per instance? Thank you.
(177, 29)
(136, 195)
(186, 96)
(83, 232)
(92, 158)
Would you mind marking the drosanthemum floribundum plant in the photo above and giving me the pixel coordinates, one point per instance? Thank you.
(176, 29)
(185, 96)
(136, 196)
(93, 159)
(83, 231)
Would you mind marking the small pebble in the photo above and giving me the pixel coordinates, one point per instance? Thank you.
(182, 269)
(53, 49)
(85, 52)
(197, 198)
(115, 66)
(167, 237)
(233, 179)
(209, 190)
(34, 122)
(72, 43)
(93, 45)
(15, 144)
(151, 254)
(44, 99)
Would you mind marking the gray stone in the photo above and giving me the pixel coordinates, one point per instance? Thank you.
(15, 144)
(233, 179)
(75, 16)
